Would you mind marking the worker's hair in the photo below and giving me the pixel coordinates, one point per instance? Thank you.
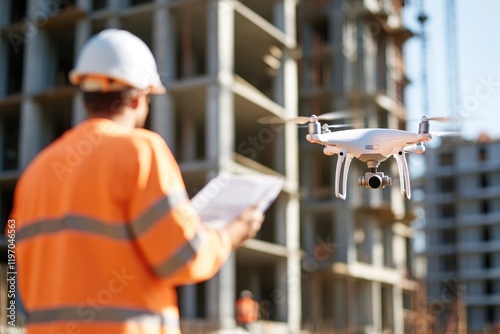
(109, 102)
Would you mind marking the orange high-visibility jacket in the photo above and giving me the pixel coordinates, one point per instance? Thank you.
(105, 231)
(247, 310)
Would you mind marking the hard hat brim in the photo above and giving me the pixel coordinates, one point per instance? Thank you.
(96, 82)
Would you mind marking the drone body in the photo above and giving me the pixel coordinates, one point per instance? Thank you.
(371, 145)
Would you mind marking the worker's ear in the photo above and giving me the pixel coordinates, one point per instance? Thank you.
(134, 99)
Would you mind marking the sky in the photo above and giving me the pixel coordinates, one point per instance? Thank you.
(478, 44)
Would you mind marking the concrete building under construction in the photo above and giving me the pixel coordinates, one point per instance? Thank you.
(463, 227)
(226, 63)
(358, 265)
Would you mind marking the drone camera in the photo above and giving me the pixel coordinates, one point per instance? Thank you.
(375, 180)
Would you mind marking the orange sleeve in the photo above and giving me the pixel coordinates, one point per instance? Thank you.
(164, 225)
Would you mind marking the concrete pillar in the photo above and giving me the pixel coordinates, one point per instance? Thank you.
(369, 32)
(313, 296)
(352, 303)
(221, 296)
(220, 137)
(397, 304)
(220, 100)
(4, 60)
(280, 221)
(308, 232)
(341, 303)
(254, 284)
(188, 138)
(83, 31)
(188, 296)
(336, 20)
(35, 54)
(162, 111)
(307, 173)
(2, 143)
(294, 293)
(344, 236)
(308, 37)
(163, 118)
(376, 291)
(280, 296)
(399, 250)
(364, 304)
(392, 74)
(30, 132)
(115, 5)
(5, 14)
(369, 228)
(287, 233)
(286, 88)
(378, 246)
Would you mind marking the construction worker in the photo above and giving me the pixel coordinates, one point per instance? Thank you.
(247, 310)
(104, 228)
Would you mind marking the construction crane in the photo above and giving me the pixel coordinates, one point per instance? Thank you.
(452, 58)
(457, 322)
(422, 18)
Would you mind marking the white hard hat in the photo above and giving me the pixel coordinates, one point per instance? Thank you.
(113, 60)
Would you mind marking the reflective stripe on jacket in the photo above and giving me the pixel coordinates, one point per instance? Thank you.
(105, 231)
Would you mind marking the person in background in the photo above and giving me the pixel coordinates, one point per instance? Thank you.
(247, 310)
(105, 230)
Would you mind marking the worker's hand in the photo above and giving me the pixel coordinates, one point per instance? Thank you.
(244, 227)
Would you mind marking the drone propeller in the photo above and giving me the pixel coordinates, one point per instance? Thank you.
(330, 116)
(446, 133)
(439, 119)
(336, 126)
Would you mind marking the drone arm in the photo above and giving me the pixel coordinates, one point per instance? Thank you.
(404, 177)
(343, 164)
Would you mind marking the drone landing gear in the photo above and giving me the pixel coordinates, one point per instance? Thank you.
(343, 164)
(404, 177)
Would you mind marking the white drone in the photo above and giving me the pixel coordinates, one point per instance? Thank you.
(371, 145)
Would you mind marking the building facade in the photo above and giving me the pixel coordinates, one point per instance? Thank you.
(357, 268)
(225, 64)
(462, 202)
